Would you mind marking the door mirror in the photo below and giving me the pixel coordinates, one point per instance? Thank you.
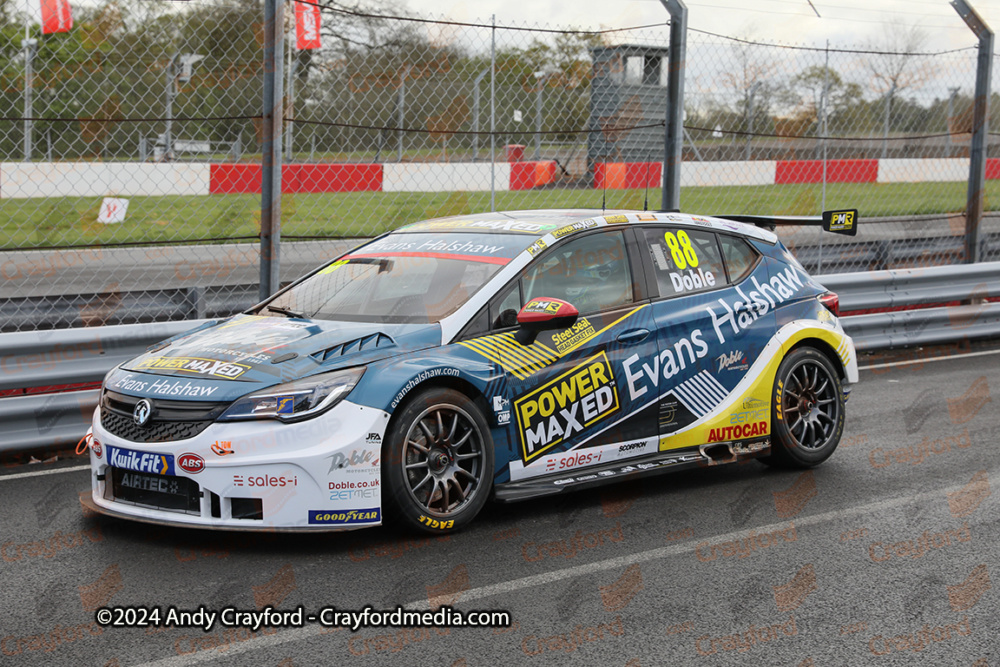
(543, 314)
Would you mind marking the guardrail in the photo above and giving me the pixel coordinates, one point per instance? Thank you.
(159, 302)
(76, 356)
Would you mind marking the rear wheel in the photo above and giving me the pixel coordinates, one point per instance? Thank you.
(437, 462)
(807, 416)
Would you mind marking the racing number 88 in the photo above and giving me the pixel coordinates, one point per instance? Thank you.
(681, 250)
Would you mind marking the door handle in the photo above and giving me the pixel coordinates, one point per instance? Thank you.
(633, 336)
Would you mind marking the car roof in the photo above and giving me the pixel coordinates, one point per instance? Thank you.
(561, 222)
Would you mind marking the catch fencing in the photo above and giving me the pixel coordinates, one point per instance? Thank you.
(132, 147)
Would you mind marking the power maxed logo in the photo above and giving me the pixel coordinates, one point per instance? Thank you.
(126, 459)
(565, 406)
(213, 367)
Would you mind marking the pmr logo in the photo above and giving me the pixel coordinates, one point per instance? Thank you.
(537, 247)
(841, 222)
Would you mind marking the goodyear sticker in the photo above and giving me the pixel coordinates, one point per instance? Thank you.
(194, 365)
(345, 517)
(616, 219)
(565, 406)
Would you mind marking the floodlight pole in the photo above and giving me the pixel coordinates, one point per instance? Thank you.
(980, 123)
(674, 135)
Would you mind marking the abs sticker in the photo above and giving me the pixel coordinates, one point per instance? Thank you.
(565, 406)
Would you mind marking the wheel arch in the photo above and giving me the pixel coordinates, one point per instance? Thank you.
(826, 350)
(456, 383)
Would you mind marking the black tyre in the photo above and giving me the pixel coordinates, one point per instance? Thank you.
(437, 462)
(807, 415)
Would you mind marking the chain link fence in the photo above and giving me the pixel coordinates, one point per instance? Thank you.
(130, 148)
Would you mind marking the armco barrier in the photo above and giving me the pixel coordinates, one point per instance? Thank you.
(71, 356)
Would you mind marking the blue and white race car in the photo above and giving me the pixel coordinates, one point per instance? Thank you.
(505, 355)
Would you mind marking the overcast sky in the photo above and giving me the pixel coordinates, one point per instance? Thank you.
(843, 22)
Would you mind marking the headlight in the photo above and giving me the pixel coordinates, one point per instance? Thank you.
(297, 400)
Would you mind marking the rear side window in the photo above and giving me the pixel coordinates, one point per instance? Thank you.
(740, 257)
(685, 260)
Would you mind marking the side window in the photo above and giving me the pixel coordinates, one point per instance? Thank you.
(504, 313)
(740, 257)
(591, 272)
(685, 260)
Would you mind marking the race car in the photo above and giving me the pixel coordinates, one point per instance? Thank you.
(495, 356)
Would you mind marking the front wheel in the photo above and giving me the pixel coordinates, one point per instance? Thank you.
(437, 462)
(807, 415)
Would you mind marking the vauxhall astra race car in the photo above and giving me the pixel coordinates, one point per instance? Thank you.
(505, 355)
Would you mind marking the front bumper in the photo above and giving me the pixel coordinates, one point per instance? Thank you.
(322, 474)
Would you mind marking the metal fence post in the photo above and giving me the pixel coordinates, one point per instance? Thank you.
(538, 118)
(270, 186)
(493, 114)
(475, 112)
(674, 135)
(980, 122)
(29, 85)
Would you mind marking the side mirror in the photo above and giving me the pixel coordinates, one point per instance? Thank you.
(543, 314)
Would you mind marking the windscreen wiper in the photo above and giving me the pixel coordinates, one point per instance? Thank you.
(285, 311)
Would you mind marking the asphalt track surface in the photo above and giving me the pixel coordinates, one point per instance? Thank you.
(884, 555)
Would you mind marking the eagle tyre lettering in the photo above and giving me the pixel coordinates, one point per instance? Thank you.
(807, 417)
(437, 462)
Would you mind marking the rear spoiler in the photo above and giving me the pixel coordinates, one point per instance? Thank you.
(843, 221)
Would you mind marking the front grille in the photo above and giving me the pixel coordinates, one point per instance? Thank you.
(125, 427)
(170, 420)
(164, 492)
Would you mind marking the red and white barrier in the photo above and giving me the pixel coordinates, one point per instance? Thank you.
(21, 180)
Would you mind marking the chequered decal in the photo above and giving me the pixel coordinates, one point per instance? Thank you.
(701, 393)
(520, 360)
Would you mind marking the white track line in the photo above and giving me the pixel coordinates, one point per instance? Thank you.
(39, 473)
(618, 563)
(910, 362)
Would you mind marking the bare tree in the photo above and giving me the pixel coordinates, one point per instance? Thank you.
(895, 68)
(750, 80)
(892, 63)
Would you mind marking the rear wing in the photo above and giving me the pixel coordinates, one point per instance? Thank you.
(842, 221)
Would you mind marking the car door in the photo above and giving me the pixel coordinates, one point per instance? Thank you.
(565, 394)
(710, 333)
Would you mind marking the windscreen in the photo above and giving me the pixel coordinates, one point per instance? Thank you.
(401, 278)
